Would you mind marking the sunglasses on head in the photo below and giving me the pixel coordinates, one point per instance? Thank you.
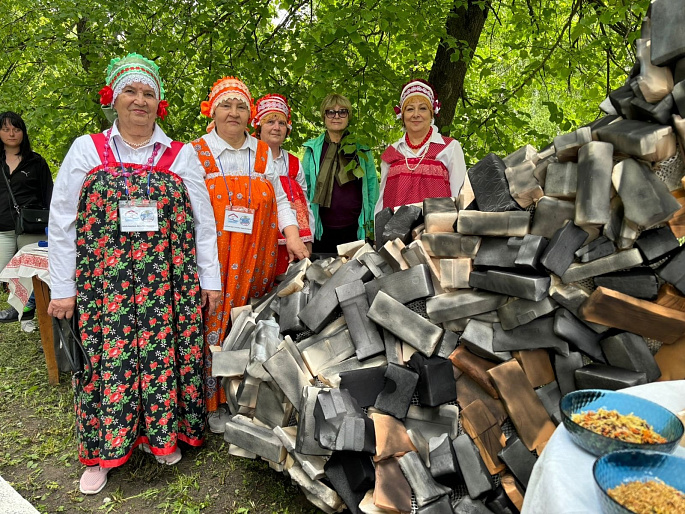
(342, 113)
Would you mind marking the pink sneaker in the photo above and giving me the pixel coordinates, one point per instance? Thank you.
(93, 480)
(169, 460)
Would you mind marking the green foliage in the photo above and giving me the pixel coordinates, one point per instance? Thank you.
(539, 69)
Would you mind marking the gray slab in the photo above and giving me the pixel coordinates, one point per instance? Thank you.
(593, 192)
(449, 342)
(530, 251)
(673, 270)
(462, 303)
(518, 311)
(530, 287)
(531, 336)
(408, 285)
(490, 185)
(328, 351)
(523, 154)
(600, 247)
(668, 42)
(433, 421)
(640, 139)
(288, 376)
(503, 224)
(330, 375)
(601, 376)
(656, 113)
(273, 409)
(655, 244)
(364, 333)
(468, 506)
(405, 324)
(518, 459)
(230, 363)
(550, 396)
(425, 488)
(618, 261)
(377, 265)
(451, 245)
(478, 337)
(258, 440)
(565, 368)
(646, 199)
(321, 308)
(639, 282)
(476, 475)
(499, 252)
(306, 443)
(395, 398)
(577, 334)
(560, 251)
(550, 215)
(340, 424)
(568, 145)
(630, 351)
(562, 180)
(289, 309)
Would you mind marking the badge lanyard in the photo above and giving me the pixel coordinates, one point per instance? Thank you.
(239, 219)
(126, 174)
(138, 215)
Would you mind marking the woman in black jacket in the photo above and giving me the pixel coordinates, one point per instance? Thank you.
(29, 177)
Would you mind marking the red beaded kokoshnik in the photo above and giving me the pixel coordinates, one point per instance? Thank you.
(423, 142)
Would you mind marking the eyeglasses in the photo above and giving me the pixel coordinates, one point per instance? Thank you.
(342, 113)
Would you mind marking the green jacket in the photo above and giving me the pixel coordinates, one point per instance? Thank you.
(310, 164)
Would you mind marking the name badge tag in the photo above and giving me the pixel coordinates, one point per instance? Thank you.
(239, 219)
(138, 216)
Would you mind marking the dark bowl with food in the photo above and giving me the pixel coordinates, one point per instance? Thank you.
(662, 421)
(640, 481)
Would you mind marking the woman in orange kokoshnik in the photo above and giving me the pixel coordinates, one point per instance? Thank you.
(249, 206)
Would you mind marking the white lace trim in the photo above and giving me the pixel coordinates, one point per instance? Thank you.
(130, 79)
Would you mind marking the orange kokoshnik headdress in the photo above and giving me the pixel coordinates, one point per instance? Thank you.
(224, 89)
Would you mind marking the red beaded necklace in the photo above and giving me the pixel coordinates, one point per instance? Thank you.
(425, 140)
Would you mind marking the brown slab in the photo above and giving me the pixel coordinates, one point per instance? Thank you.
(392, 439)
(671, 360)
(618, 310)
(42, 294)
(671, 298)
(468, 391)
(479, 423)
(677, 222)
(536, 365)
(475, 367)
(525, 409)
(514, 492)
(392, 491)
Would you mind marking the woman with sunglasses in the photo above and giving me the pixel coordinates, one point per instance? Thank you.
(341, 196)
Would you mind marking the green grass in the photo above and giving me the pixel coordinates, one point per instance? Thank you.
(38, 455)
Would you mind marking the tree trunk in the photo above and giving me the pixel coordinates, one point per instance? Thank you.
(464, 25)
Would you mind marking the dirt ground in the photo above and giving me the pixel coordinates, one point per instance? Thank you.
(38, 455)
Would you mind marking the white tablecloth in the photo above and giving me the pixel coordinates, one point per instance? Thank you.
(562, 481)
(31, 261)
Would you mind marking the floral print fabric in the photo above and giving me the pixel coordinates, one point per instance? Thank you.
(140, 321)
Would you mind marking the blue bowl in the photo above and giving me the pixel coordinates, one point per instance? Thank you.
(629, 465)
(662, 420)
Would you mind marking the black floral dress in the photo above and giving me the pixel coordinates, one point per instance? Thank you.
(138, 300)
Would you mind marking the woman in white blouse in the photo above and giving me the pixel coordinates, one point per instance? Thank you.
(133, 254)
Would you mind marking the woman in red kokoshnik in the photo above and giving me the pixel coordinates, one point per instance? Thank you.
(422, 163)
(272, 125)
(133, 254)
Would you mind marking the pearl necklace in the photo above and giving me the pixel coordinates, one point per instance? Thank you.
(423, 154)
(137, 145)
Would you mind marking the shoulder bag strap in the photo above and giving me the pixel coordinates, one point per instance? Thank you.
(13, 201)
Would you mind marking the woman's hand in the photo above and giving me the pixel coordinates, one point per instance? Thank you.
(210, 299)
(61, 308)
(296, 248)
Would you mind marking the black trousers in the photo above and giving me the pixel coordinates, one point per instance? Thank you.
(332, 237)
